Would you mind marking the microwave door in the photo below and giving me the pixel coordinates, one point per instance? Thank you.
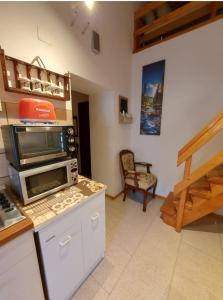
(38, 144)
(43, 182)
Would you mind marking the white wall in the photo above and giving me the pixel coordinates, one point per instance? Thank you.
(102, 137)
(64, 49)
(192, 97)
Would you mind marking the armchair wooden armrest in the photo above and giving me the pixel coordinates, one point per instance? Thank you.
(135, 175)
(147, 165)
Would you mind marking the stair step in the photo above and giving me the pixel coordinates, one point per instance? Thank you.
(217, 172)
(188, 203)
(202, 208)
(202, 183)
(198, 201)
(216, 180)
(168, 207)
(203, 193)
(169, 220)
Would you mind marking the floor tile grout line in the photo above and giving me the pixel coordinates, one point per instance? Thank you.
(131, 256)
(175, 265)
(146, 228)
(199, 250)
(101, 286)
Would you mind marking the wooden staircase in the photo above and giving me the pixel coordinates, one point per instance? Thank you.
(201, 192)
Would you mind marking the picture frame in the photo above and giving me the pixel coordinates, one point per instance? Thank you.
(123, 104)
(152, 98)
(124, 116)
(75, 123)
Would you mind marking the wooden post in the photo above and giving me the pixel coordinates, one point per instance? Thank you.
(135, 39)
(213, 9)
(183, 197)
(16, 74)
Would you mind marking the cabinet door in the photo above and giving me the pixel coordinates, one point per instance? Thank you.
(22, 281)
(63, 263)
(93, 232)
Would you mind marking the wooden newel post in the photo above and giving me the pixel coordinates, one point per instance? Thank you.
(183, 197)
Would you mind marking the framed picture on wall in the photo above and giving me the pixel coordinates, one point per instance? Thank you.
(152, 98)
(123, 104)
(75, 122)
(124, 116)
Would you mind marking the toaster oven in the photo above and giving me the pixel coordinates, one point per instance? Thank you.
(34, 144)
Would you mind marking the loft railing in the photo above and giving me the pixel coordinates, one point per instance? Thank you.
(159, 21)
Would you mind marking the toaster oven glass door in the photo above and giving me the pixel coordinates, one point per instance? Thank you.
(46, 181)
(40, 143)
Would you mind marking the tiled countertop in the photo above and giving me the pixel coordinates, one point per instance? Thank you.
(43, 211)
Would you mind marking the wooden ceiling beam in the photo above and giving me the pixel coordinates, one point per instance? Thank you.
(148, 8)
(173, 16)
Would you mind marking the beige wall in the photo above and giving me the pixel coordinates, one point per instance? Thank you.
(192, 97)
(102, 116)
(45, 31)
(76, 98)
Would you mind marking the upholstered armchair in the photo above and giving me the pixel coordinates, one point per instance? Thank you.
(137, 180)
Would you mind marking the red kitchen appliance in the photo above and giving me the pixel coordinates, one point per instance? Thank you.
(34, 110)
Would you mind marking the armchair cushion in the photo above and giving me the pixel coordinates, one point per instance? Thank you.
(144, 180)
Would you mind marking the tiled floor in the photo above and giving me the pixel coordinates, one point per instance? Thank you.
(146, 259)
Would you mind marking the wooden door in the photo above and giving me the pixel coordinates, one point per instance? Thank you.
(84, 134)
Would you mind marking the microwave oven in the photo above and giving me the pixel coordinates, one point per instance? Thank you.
(34, 144)
(36, 183)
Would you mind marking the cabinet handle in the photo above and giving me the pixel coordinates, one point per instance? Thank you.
(95, 217)
(64, 243)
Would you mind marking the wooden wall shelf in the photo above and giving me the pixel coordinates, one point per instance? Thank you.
(157, 22)
(25, 78)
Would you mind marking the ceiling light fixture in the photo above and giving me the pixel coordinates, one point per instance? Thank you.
(89, 4)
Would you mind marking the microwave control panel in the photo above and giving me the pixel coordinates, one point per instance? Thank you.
(74, 171)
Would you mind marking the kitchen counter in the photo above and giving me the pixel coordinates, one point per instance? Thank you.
(17, 229)
(40, 213)
(44, 211)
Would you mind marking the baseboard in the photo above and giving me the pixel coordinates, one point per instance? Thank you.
(113, 197)
(158, 197)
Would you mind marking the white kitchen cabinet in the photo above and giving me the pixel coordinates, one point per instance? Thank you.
(19, 271)
(93, 227)
(71, 246)
(63, 259)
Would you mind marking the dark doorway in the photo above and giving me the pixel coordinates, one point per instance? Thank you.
(84, 135)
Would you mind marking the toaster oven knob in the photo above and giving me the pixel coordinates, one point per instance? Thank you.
(71, 140)
(70, 131)
(71, 149)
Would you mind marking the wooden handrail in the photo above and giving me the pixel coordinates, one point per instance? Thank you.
(201, 138)
(198, 173)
